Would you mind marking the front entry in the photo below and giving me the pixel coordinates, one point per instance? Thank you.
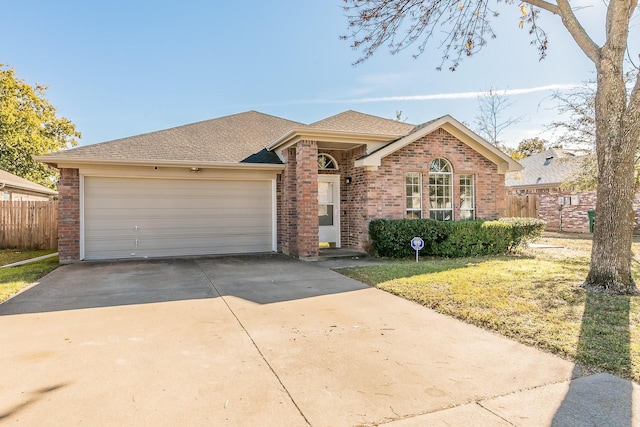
(329, 210)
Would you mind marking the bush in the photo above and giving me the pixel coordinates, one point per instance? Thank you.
(391, 238)
(524, 229)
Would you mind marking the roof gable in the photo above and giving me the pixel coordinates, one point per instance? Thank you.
(454, 127)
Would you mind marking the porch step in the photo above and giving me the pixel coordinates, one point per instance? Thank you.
(327, 253)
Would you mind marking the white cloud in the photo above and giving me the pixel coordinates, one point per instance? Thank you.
(463, 95)
(436, 96)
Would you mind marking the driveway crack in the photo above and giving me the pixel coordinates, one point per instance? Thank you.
(255, 345)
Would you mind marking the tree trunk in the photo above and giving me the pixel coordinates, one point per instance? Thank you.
(616, 143)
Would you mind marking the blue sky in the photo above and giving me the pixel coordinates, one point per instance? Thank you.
(121, 68)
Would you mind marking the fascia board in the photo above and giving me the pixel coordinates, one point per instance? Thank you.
(457, 129)
(78, 162)
(302, 134)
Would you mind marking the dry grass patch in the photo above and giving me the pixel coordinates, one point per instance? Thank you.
(534, 297)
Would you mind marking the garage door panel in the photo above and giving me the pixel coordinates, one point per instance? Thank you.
(126, 218)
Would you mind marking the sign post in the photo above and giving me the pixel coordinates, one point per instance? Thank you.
(417, 243)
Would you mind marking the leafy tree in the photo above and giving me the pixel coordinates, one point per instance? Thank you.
(29, 127)
(490, 120)
(528, 147)
(465, 28)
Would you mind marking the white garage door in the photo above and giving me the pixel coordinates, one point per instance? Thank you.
(127, 217)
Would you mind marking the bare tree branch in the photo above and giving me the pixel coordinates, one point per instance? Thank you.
(549, 7)
(577, 31)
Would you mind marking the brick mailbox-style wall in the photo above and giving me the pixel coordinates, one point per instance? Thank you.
(566, 211)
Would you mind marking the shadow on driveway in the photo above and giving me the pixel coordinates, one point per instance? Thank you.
(263, 279)
(602, 399)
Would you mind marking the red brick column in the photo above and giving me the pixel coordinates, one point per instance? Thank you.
(307, 199)
(287, 216)
(69, 216)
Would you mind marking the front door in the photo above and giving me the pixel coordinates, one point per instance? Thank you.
(329, 210)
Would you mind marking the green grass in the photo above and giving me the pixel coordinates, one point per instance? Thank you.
(14, 279)
(533, 297)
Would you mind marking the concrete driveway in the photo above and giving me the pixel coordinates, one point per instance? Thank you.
(247, 341)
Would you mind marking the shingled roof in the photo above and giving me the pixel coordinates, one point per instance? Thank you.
(353, 121)
(236, 138)
(546, 169)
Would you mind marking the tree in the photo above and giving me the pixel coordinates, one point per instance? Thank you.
(528, 147)
(29, 127)
(466, 26)
(490, 120)
(578, 130)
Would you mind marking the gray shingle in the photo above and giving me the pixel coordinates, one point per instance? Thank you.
(544, 169)
(353, 121)
(229, 139)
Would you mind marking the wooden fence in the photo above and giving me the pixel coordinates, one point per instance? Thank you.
(29, 224)
(525, 206)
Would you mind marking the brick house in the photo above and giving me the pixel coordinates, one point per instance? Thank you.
(252, 182)
(542, 175)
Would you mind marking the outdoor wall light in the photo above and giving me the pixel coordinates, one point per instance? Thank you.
(347, 180)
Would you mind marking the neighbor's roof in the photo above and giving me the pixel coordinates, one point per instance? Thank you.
(239, 138)
(13, 181)
(546, 169)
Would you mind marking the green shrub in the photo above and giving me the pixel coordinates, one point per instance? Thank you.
(391, 238)
(524, 229)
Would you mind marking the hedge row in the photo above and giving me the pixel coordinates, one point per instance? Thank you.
(391, 238)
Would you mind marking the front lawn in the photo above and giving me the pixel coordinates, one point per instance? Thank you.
(14, 279)
(533, 297)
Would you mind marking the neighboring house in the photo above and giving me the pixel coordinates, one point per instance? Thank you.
(541, 176)
(14, 188)
(252, 182)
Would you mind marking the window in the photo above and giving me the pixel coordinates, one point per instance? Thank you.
(441, 190)
(414, 195)
(467, 198)
(325, 203)
(327, 163)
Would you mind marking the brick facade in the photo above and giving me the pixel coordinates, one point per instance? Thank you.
(371, 193)
(69, 216)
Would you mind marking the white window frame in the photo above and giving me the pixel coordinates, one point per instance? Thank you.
(413, 199)
(471, 186)
(322, 166)
(437, 171)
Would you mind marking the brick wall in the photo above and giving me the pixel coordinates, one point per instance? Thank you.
(69, 216)
(384, 189)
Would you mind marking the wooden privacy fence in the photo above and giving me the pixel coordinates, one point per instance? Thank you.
(525, 206)
(29, 224)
